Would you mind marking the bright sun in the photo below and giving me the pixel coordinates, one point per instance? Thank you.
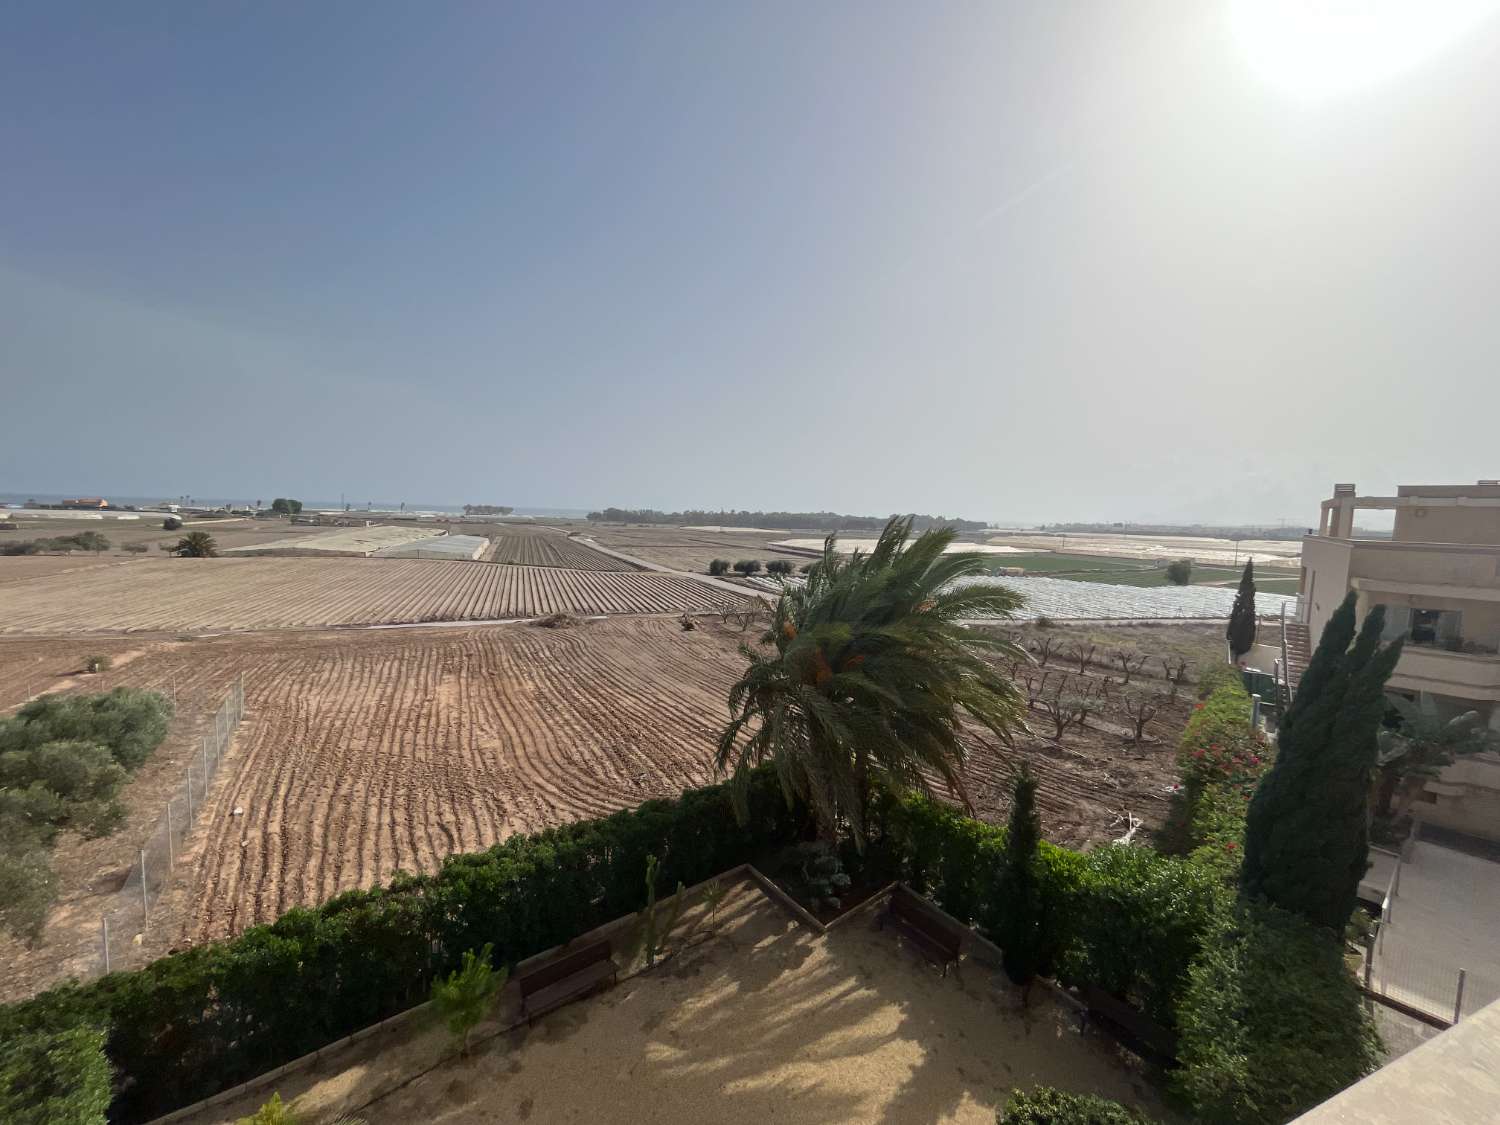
(1317, 48)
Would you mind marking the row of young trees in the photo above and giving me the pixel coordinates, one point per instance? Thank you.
(747, 567)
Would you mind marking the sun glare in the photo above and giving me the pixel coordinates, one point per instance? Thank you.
(1322, 48)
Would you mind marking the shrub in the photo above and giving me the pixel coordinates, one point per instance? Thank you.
(747, 567)
(1020, 933)
(201, 1020)
(779, 566)
(61, 1079)
(27, 888)
(93, 665)
(468, 993)
(1271, 1022)
(131, 723)
(135, 548)
(1044, 1105)
(171, 523)
(719, 566)
(1180, 572)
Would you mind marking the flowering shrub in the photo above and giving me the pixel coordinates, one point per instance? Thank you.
(1221, 761)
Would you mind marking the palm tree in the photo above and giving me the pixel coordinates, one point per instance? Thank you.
(197, 545)
(1420, 748)
(871, 678)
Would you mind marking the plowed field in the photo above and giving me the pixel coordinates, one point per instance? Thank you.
(213, 594)
(365, 754)
(544, 547)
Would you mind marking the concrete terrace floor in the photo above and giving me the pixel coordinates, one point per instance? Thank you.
(761, 1022)
(1445, 917)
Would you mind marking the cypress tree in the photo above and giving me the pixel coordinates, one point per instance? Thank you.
(1019, 891)
(1241, 631)
(1306, 836)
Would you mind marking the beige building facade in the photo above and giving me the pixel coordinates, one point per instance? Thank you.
(1438, 575)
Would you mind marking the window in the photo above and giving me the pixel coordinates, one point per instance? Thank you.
(1436, 628)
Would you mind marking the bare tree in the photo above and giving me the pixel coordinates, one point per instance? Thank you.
(1141, 709)
(1104, 685)
(1084, 654)
(1130, 661)
(1035, 683)
(1065, 708)
(1044, 647)
(1176, 668)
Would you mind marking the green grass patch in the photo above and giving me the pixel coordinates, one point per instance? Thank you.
(1132, 572)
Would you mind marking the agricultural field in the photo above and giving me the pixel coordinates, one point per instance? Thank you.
(194, 595)
(1140, 572)
(364, 753)
(233, 531)
(689, 549)
(544, 546)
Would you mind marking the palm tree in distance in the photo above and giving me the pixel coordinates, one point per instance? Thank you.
(197, 545)
(871, 678)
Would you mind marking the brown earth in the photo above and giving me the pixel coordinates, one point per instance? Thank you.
(371, 751)
(237, 531)
(685, 549)
(269, 593)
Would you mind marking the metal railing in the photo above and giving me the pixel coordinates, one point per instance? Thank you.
(126, 922)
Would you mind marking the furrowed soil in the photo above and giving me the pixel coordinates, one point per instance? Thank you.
(368, 752)
(155, 595)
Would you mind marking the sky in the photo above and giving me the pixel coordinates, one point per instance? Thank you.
(1024, 262)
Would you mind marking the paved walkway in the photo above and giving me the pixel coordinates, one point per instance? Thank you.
(1445, 917)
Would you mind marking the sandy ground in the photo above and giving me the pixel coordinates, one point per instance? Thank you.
(692, 549)
(762, 1021)
(191, 595)
(231, 532)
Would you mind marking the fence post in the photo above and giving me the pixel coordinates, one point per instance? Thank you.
(1396, 882)
(172, 859)
(1254, 712)
(104, 921)
(145, 903)
(1370, 958)
(1458, 999)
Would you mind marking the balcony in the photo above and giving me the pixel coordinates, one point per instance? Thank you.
(1463, 675)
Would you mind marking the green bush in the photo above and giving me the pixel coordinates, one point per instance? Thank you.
(465, 996)
(195, 1022)
(718, 566)
(1271, 1023)
(129, 722)
(27, 888)
(60, 1079)
(779, 566)
(1180, 572)
(747, 567)
(1044, 1105)
(1135, 921)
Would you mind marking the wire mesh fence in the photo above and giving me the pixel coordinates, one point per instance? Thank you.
(1433, 950)
(126, 922)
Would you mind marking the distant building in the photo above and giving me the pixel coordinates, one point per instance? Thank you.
(89, 502)
(1438, 576)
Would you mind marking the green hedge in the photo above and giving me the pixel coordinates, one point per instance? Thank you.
(54, 1079)
(1271, 1021)
(1044, 1105)
(196, 1022)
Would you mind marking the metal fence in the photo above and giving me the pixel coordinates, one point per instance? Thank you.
(1432, 950)
(126, 922)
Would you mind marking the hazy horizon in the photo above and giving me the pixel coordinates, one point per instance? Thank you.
(1165, 262)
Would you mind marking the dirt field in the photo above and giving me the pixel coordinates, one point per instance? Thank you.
(213, 594)
(367, 752)
(690, 550)
(538, 546)
(232, 532)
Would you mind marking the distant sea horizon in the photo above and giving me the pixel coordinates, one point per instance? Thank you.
(18, 498)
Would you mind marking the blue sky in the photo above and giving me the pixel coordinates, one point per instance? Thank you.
(1041, 261)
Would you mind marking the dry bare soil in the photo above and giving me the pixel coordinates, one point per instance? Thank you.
(368, 752)
(270, 593)
(545, 546)
(689, 550)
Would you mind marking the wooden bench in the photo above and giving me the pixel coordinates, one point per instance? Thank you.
(576, 973)
(1138, 1030)
(938, 939)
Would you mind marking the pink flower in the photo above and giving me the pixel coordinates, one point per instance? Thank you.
(1255, 759)
(1229, 847)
